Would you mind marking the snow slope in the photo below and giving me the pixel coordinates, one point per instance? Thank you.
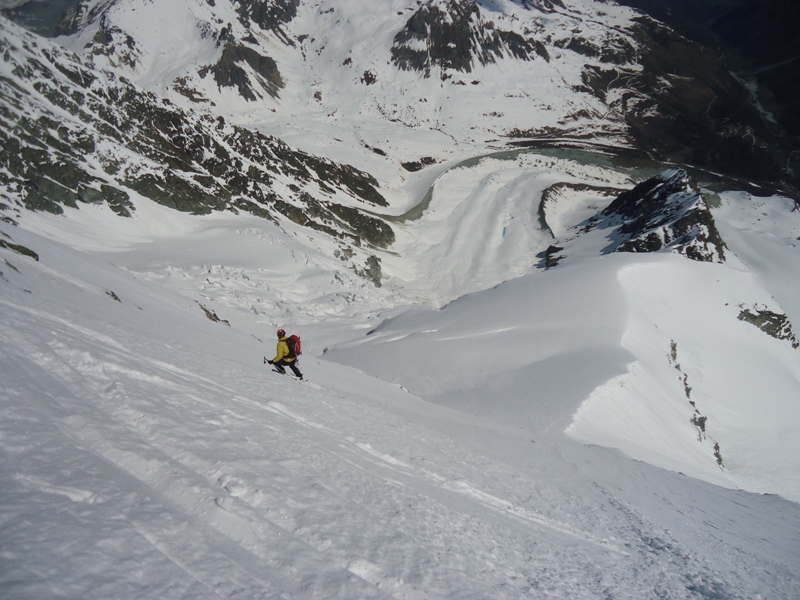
(147, 452)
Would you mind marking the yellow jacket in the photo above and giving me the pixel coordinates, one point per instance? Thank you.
(283, 351)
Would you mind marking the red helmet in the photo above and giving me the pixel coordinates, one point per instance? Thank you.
(281, 333)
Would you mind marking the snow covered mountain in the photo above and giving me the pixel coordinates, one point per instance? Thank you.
(587, 72)
(542, 254)
(147, 452)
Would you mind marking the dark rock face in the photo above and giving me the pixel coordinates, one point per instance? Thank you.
(666, 211)
(453, 35)
(40, 17)
(758, 41)
(685, 106)
(688, 17)
(758, 38)
(268, 14)
(80, 13)
(228, 72)
(773, 324)
(764, 37)
(541, 5)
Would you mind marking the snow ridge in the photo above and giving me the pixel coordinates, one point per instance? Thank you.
(521, 387)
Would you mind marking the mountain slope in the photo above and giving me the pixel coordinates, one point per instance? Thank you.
(147, 452)
(476, 227)
(552, 72)
(73, 135)
(579, 350)
(757, 40)
(661, 342)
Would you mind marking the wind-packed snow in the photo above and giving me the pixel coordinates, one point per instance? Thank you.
(149, 452)
(479, 426)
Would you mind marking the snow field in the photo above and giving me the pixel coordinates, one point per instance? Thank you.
(148, 452)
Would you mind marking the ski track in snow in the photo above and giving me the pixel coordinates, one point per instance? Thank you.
(287, 487)
(145, 454)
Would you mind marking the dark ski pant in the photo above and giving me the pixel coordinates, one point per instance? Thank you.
(292, 365)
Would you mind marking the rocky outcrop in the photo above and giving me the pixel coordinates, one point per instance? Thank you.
(232, 71)
(454, 36)
(774, 324)
(665, 212)
(269, 15)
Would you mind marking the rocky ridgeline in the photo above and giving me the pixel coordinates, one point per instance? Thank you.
(455, 36)
(665, 212)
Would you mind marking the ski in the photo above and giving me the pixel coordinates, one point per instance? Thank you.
(274, 370)
(290, 376)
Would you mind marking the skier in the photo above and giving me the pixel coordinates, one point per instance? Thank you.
(285, 357)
